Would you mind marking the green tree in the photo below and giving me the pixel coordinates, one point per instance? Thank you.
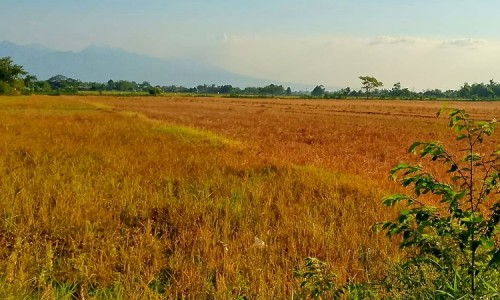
(345, 92)
(126, 86)
(154, 90)
(42, 87)
(10, 76)
(318, 91)
(396, 90)
(251, 90)
(64, 84)
(369, 83)
(481, 90)
(110, 85)
(225, 89)
(451, 222)
(465, 91)
(272, 89)
(29, 82)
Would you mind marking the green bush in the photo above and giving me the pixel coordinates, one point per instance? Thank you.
(450, 223)
(317, 281)
(5, 88)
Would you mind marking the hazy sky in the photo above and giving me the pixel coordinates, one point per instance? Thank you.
(420, 43)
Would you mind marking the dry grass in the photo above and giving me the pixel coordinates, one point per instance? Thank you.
(361, 137)
(104, 197)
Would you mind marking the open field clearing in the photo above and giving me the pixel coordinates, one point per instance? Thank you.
(108, 197)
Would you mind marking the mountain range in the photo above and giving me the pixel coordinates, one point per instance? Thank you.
(100, 64)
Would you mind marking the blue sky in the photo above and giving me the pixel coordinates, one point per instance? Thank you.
(422, 44)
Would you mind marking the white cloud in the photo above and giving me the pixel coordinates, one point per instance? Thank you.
(388, 40)
(468, 43)
(416, 62)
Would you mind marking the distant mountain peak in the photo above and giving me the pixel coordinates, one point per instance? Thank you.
(101, 63)
(102, 48)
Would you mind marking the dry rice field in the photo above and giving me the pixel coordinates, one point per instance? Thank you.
(163, 197)
(361, 137)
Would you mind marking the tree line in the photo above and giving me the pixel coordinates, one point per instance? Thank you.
(15, 80)
(373, 88)
(62, 84)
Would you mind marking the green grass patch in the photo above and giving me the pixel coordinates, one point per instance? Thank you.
(185, 133)
(193, 135)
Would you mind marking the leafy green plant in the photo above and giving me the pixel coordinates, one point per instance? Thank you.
(316, 281)
(451, 221)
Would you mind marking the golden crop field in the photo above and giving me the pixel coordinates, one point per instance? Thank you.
(202, 198)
